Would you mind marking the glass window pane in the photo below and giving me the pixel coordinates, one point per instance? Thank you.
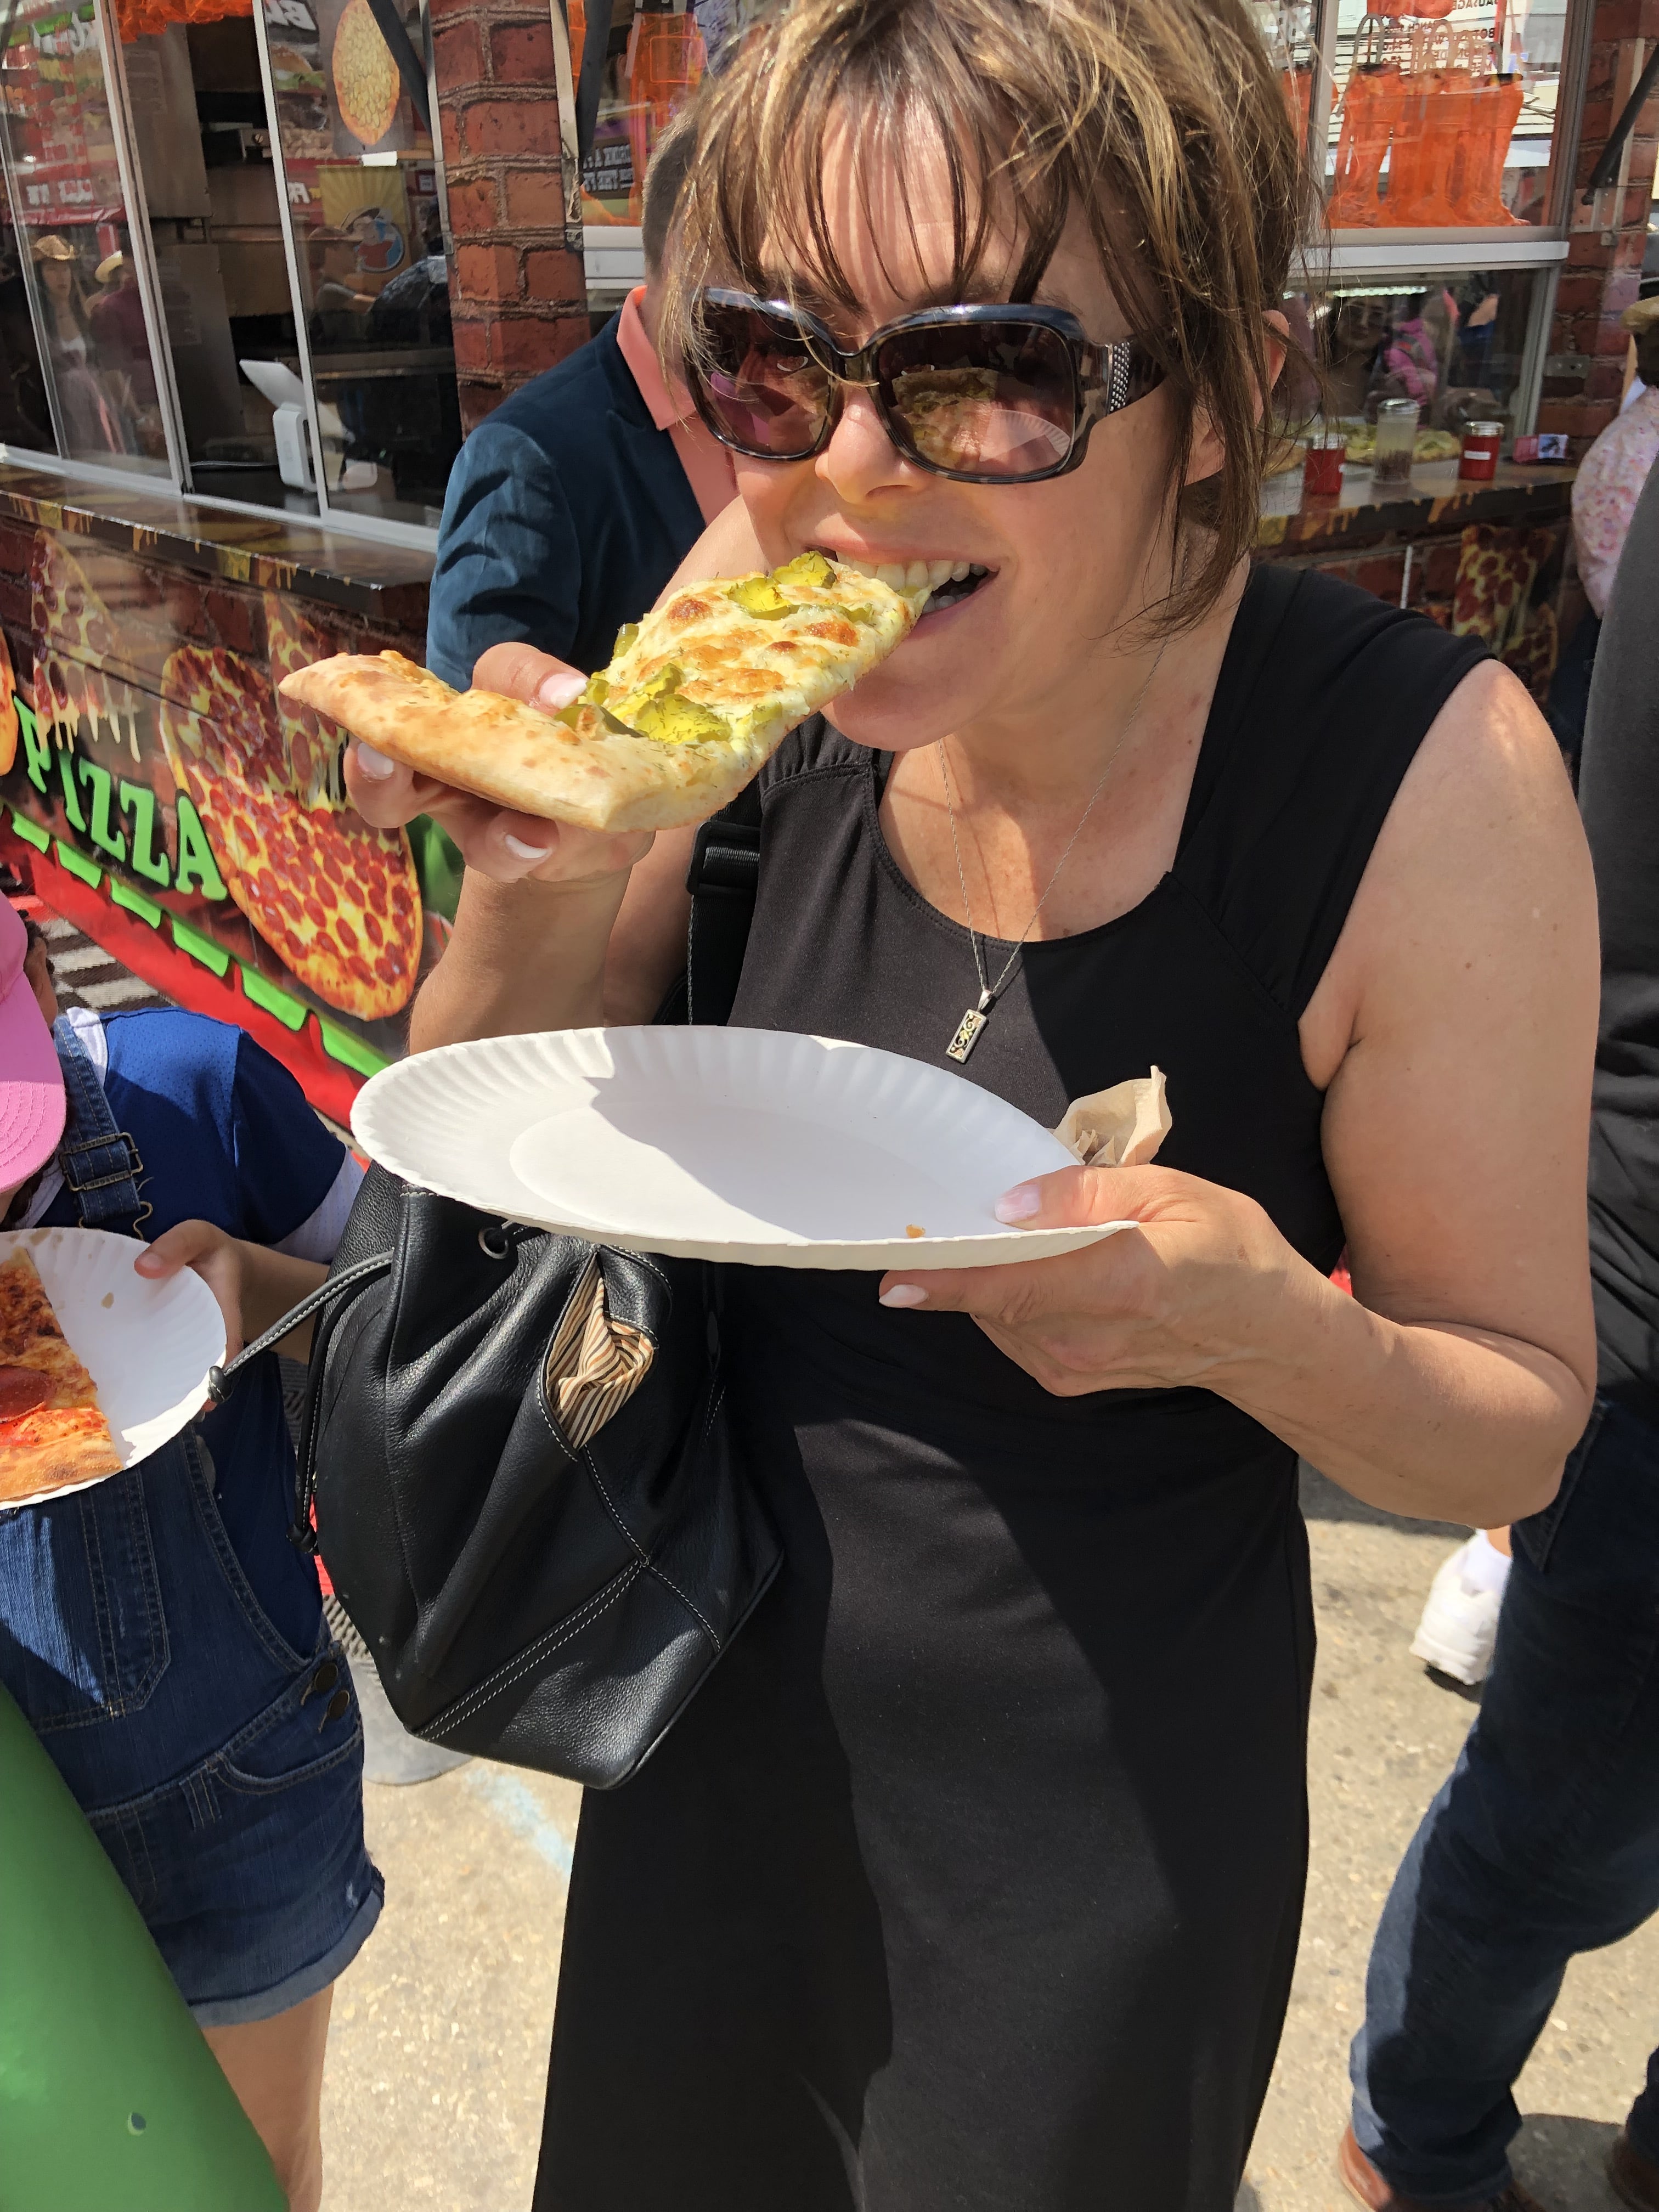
(655, 60)
(1444, 116)
(1290, 30)
(1453, 343)
(362, 189)
(25, 415)
(69, 258)
(203, 141)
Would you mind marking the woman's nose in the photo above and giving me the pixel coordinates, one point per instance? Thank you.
(860, 457)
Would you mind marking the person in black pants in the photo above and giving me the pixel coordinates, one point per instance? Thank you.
(970, 1880)
(1545, 1840)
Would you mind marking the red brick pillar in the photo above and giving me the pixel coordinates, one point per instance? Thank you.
(516, 285)
(1585, 372)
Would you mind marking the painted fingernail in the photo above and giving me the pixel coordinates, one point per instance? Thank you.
(904, 1294)
(522, 850)
(1020, 1203)
(375, 766)
(555, 691)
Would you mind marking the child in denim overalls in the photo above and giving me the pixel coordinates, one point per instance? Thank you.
(163, 1636)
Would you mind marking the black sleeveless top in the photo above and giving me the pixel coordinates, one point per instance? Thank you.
(972, 1877)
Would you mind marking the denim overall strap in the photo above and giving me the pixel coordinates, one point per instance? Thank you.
(100, 1162)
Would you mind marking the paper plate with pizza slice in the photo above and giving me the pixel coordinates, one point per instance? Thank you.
(752, 1145)
(98, 1365)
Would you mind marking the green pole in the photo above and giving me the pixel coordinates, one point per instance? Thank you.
(110, 2100)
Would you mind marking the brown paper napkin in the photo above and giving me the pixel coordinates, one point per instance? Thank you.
(1122, 1127)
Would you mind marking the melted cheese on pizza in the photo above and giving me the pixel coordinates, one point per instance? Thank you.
(720, 660)
(64, 1437)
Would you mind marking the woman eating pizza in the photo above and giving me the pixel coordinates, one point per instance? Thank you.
(973, 1876)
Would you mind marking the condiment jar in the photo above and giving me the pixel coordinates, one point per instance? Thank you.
(1477, 462)
(1322, 465)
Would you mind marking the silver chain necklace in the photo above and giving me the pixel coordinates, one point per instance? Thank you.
(970, 1028)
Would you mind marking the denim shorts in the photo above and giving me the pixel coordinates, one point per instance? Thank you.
(221, 1769)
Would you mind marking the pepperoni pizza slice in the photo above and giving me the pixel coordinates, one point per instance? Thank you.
(52, 1430)
(337, 900)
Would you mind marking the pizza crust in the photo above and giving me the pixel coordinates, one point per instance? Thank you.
(700, 694)
(49, 1451)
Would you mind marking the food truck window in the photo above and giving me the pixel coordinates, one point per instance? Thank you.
(1453, 341)
(76, 373)
(203, 143)
(350, 83)
(655, 58)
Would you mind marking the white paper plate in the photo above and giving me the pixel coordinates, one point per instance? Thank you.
(146, 1346)
(718, 1144)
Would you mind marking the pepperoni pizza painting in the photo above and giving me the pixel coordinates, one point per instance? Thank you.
(157, 788)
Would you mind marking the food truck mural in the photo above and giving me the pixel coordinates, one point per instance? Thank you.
(149, 760)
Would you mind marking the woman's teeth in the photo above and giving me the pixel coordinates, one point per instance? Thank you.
(912, 575)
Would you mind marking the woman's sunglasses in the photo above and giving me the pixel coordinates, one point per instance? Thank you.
(983, 395)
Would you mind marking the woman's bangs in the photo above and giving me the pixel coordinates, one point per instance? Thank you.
(1160, 120)
(781, 242)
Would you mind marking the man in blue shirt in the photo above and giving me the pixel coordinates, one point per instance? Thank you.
(573, 505)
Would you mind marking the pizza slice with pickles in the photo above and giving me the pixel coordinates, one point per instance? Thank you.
(699, 694)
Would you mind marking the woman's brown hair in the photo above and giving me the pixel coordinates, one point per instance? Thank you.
(1162, 120)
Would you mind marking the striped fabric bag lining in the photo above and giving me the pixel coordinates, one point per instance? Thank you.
(594, 1363)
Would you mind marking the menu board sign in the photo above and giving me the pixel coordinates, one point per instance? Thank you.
(57, 119)
(340, 93)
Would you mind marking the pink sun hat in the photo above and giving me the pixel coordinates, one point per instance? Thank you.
(31, 1081)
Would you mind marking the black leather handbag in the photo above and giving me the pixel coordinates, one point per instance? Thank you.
(519, 1455)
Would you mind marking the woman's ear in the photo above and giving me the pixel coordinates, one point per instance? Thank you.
(1278, 345)
(1207, 452)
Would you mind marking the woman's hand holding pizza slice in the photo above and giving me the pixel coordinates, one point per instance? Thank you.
(497, 842)
(698, 695)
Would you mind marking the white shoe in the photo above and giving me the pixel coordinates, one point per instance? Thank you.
(1459, 1626)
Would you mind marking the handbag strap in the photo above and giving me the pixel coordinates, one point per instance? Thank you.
(724, 881)
(221, 1381)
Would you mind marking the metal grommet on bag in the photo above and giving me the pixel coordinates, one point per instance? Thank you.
(493, 1242)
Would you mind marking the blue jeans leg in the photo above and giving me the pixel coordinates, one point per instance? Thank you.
(1544, 1841)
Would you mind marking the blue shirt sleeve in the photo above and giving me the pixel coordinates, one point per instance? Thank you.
(224, 1132)
(509, 561)
(286, 1161)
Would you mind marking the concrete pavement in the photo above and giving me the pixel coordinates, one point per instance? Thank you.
(439, 2045)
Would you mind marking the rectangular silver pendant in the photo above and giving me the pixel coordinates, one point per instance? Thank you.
(967, 1035)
